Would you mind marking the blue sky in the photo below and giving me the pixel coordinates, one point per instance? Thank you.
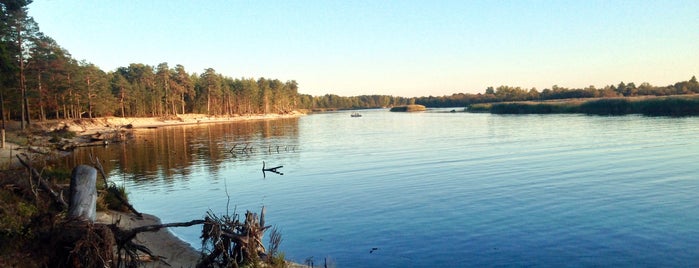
(400, 48)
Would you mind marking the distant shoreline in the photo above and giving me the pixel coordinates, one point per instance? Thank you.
(679, 105)
(87, 126)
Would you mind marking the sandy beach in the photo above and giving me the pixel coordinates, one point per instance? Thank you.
(174, 251)
(87, 126)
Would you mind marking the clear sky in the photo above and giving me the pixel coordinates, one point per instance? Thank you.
(400, 48)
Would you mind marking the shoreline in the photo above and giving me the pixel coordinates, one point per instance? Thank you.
(163, 243)
(176, 252)
(85, 127)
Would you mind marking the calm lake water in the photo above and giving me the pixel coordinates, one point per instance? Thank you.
(434, 189)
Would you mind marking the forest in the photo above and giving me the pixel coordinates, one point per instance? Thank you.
(40, 80)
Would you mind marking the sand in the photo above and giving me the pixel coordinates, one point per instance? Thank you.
(106, 124)
(176, 252)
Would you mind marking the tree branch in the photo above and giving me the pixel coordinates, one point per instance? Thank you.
(43, 184)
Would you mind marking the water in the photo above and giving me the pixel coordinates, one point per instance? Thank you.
(435, 189)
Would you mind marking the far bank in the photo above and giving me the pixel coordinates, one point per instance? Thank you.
(681, 105)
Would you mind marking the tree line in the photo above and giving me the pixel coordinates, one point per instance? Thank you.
(40, 80)
(508, 93)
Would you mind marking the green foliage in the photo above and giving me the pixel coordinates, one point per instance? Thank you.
(57, 174)
(59, 134)
(15, 215)
(278, 260)
(109, 201)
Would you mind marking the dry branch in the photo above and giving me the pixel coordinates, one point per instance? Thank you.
(124, 239)
(231, 242)
(46, 186)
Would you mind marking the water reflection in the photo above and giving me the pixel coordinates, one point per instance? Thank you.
(174, 151)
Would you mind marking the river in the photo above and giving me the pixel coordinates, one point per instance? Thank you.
(433, 189)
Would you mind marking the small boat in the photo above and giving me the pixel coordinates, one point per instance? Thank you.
(356, 115)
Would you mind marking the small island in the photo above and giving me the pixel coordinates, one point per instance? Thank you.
(409, 108)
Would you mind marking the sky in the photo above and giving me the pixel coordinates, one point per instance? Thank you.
(400, 48)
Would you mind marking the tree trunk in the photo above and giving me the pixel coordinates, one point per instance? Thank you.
(21, 75)
(2, 113)
(208, 101)
(121, 100)
(89, 99)
(83, 193)
(42, 114)
(183, 103)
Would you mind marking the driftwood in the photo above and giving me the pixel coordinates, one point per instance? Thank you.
(125, 244)
(83, 193)
(79, 242)
(231, 242)
(70, 146)
(46, 186)
(273, 169)
(249, 149)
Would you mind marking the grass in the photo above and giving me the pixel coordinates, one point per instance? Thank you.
(657, 106)
(108, 200)
(409, 108)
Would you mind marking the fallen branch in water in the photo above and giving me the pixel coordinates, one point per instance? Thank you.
(274, 169)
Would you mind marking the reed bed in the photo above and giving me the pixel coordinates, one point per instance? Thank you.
(653, 106)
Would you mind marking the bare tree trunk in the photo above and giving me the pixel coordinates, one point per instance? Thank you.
(208, 101)
(89, 99)
(83, 193)
(22, 87)
(123, 114)
(183, 103)
(42, 114)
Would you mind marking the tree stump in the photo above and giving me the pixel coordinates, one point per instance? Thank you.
(83, 193)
